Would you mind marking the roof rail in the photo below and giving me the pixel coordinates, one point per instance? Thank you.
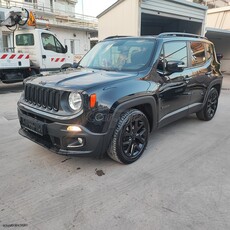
(176, 34)
(115, 36)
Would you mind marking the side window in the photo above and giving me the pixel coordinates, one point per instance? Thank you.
(50, 42)
(173, 51)
(198, 53)
(176, 51)
(209, 51)
(25, 40)
(59, 46)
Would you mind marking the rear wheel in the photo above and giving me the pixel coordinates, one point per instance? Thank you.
(130, 137)
(210, 107)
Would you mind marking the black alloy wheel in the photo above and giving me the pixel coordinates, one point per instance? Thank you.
(130, 137)
(210, 107)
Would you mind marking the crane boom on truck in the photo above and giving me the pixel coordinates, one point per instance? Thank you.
(35, 50)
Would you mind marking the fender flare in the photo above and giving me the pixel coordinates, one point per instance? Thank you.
(66, 66)
(121, 108)
(216, 82)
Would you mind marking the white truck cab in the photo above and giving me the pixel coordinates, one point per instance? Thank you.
(45, 50)
(35, 50)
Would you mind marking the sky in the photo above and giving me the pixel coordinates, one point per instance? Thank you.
(93, 7)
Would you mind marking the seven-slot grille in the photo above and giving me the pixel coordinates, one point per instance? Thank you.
(42, 97)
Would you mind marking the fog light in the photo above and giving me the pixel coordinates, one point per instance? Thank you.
(76, 142)
(74, 129)
(80, 140)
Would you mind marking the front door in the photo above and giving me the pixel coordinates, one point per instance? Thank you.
(174, 92)
(53, 53)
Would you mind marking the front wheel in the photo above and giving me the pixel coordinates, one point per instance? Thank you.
(130, 137)
(210, 107)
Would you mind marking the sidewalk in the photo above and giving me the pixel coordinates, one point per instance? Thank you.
(226, 81)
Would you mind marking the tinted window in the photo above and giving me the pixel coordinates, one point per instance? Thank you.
(119, 55)
(176, 51)
(198, 53)
(25, 40)
(209, 51)
(173, 51)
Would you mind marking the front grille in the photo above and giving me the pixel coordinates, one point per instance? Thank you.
(42, 97)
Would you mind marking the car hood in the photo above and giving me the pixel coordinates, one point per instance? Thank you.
(81, 79)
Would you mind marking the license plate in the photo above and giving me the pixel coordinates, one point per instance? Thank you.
(33, 125)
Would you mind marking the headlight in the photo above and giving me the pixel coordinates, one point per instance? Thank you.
(75, 101)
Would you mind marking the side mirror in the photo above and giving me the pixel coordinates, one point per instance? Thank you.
(219, 57)
(175, 66)
(66, 48)
(75, 65)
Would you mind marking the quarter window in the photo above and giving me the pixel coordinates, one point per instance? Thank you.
(198, 53)
(209, 51)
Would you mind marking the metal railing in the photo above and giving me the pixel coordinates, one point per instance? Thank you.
(54, 15)
(213, 3)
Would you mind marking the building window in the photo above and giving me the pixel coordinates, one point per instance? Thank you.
(72, 46)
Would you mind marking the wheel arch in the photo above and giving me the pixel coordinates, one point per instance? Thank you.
(217, 87)
(146, 104)
(147, 110)
(66, 66)
(215, 84)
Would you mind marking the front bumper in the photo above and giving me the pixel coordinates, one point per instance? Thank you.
(55, 137)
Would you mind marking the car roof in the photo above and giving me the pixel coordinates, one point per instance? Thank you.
(164, 37)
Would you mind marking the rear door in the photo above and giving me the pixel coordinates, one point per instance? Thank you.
(201, 57)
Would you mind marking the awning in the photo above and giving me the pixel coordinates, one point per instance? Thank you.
(217, 33)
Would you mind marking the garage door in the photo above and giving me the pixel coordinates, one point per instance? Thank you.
(159, 16)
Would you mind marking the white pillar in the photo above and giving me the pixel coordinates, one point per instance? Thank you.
(1, 41)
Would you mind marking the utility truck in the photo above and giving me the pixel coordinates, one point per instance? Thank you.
(35, 50)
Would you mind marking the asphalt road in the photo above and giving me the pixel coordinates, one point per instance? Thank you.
(182, 182)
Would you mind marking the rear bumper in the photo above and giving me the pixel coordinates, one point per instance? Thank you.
(56, 138)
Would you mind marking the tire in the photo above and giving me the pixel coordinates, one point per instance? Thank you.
(130, 137)
(210, 107)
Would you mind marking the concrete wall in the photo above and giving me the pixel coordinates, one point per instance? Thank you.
(222, 46)
(123, 19)
(80, 40)
(219, 18)
(148, 17)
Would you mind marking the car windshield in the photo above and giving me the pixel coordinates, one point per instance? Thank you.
(119, 55)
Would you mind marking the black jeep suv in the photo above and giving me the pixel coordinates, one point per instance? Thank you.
(122, 89)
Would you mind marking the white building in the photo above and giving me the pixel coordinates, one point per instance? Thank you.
(218, 31)
(151, 17)
(71, 29)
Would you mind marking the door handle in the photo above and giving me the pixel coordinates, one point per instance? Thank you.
(43, 56)
(208, 73)
(187, 78)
